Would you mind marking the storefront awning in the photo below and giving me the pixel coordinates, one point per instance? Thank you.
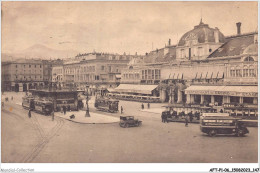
(111, 90)
(240, 91)
(118, 76)
(140, 89)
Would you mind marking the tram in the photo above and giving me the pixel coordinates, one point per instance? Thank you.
(106, 104)
(138, 98)
(38, 105)
(44, 107)
(28, 102)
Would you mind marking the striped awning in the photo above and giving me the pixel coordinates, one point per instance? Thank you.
(244, 91)
(131, 88)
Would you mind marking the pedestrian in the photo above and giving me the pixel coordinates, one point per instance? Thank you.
(52, 114)
(162, 116)
(29, 113)
(190, 116)
(142, 106)
(166, 118)
(3, 104)
(122, 109)
(12, 98)
(186, 120)
(148, 105)
(64, 110)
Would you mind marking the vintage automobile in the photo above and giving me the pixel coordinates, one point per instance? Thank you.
(129, 121)
(221, 123)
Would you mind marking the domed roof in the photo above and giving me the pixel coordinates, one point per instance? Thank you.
(203, 33)
(252, 48)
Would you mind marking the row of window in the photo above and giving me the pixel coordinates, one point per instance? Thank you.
(151, 74)
(88, 69)
(131, 76)
(35, 66)
(245, 72)
(57, 71)
(29, 71)
(27, 77)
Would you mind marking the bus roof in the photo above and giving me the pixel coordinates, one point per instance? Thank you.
(215, 114)
(221, 118)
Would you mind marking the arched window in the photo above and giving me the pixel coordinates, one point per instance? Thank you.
(238, 72)
(249, 59)
(245, 71)
(252, 72)
(131, 67)
(232, 72)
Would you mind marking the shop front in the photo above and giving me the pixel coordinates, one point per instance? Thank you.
(218, 95)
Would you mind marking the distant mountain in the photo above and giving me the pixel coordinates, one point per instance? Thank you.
(39, 51)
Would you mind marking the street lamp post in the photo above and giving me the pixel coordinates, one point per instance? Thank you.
(87, 107)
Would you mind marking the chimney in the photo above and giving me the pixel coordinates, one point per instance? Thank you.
(216, 35)
(169, 41)
(238, 28)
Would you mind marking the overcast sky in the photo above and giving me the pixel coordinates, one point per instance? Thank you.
(115, 27)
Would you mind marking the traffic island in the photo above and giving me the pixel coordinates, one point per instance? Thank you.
(80, 117)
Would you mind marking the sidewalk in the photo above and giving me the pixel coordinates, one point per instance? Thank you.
(95, 118)
(153, 110)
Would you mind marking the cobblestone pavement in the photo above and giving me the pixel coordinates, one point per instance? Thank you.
(41, 140)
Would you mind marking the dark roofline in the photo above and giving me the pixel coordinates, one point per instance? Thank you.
(171, 46)
(241, 35)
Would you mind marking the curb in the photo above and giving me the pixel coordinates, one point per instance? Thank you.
(83, 122)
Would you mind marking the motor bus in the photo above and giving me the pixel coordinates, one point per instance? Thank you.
(221, 123)
(106, 104)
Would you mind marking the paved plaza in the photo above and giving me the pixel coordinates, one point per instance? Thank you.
(41, 140)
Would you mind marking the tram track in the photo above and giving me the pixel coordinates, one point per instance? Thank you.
(30, 156)
(43, 138)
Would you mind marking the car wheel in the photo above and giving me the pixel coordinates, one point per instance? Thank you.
(240, 133)
(139, 123)
(212, 133)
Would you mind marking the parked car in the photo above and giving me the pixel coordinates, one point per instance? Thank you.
(129, 121)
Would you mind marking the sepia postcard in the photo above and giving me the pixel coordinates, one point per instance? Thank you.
(131, 82)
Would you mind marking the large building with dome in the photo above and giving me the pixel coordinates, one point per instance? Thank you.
(204, 68)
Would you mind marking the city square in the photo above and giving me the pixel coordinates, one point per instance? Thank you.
(129, 82)
(41, 140)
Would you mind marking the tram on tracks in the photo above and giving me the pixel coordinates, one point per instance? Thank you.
(106, 104)
(138, 98)
(41, 106)
(28, 102)
(46, 101)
